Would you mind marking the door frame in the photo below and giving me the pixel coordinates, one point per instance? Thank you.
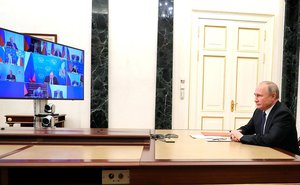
(182, 56)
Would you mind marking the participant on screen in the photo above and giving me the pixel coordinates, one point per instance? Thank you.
(11, 77)
(51, 79)
(11, 43)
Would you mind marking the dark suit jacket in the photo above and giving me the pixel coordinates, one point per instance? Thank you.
(74, 70)
(31, 49)
(12, 77)
(47, 80)
(280, 130)
(12, 45)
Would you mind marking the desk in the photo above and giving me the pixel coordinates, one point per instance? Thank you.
(187, 161)
(27, 120)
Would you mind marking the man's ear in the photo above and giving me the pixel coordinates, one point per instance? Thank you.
(274, 96)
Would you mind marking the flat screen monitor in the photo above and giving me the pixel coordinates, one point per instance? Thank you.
(33, 68)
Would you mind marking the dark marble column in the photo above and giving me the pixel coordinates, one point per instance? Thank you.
(99, 65)
(291, 48)
(163, 107)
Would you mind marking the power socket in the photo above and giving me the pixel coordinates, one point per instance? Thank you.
(115, 177)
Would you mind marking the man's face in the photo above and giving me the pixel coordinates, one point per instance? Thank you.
(263, 99)
(51, 75)
(36, 45)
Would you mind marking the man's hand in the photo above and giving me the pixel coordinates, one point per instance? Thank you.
(236, 135)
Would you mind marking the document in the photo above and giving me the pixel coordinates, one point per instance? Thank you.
(211, 138)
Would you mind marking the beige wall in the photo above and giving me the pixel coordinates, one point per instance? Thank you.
(71, 21)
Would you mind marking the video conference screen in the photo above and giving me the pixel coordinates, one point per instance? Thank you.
(33, 68)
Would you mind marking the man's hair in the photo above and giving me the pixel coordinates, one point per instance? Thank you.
(272, 88)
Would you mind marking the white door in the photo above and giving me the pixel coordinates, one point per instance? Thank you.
(227, 62)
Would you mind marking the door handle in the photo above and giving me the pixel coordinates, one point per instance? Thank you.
(232, 106)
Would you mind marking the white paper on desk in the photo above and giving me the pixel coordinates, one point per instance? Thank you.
(198, 136)
(211, 138)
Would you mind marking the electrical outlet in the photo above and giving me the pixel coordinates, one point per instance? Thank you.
(115, 177)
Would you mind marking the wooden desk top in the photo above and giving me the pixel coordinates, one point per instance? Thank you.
(185, 151)
(5, 149)
(187, 148)
(70, 152)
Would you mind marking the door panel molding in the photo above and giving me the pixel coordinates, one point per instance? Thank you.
(212, 123)
(240, 121)
(212, 81)
(211, 42)
(248, 39)
(246, 65)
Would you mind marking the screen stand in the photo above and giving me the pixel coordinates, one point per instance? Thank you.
(38, 106)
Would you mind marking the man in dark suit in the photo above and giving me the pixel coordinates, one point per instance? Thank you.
(51, 79)
(272, 123)
(11, 77)
(35, 48)
(11, 43)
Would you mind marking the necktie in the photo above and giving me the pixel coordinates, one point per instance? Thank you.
(263, 121)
